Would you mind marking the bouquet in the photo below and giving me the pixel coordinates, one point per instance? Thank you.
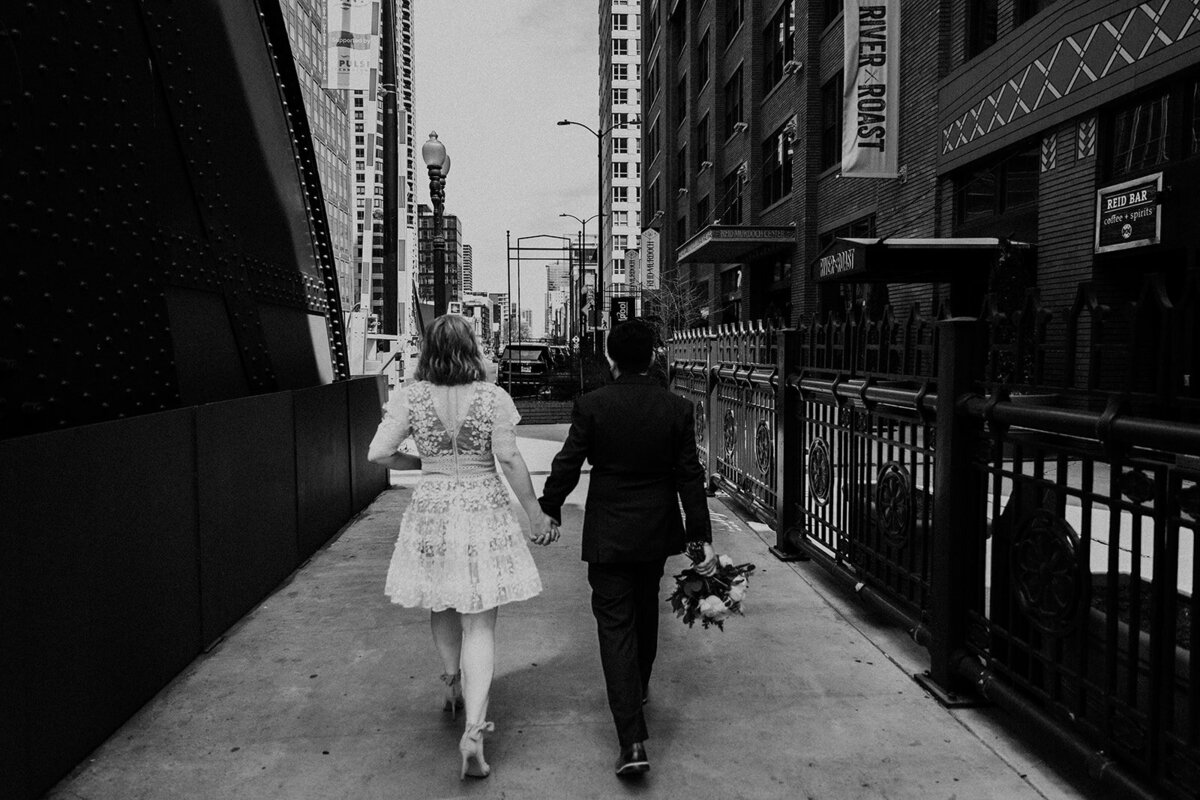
(711, 598)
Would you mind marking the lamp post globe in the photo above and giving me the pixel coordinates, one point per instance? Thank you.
(433, 153)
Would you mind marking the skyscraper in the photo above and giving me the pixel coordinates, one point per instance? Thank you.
(468, 277)
(328, 120)
(366, 122)
(620, 105)
(452, 229)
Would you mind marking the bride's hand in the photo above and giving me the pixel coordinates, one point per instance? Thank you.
(545, 530)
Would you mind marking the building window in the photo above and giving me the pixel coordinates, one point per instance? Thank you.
(681, 230)
(681, 101)
(620, 241)
(733, 102)
(652, 24)
(620, 119)
(652, 142)
(620, 71)
(731, 199)
(678, 24)
(620, 144)
(833, 9)
(702, 56)
(863, 228)
(1195, 148)
(1027, 8)
(620, 22)
(652, 201)
(652, 81)
(831, 123)
(703, 211)
(779, 45)
(620, 169)
(620, 218)
(981, 26)
(620, 47)
(776, 167)
(618, 267)
(735, 12)
(681, 168)
(702, 141)
(620, 97)
(358, 127)
(1139, 136)
(1004, 185)
(620, 194)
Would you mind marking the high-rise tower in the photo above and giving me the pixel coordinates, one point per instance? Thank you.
(620, 108)
(326, 110)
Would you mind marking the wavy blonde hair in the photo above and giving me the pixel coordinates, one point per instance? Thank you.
(450, 355)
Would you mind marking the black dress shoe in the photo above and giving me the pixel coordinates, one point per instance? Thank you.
(632, 760)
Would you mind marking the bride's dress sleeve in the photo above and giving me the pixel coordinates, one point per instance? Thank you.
(394, 428)
(504, 424)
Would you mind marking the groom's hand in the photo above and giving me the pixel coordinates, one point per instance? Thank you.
(709, 565)
(547, 530)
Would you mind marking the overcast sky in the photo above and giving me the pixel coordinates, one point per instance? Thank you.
(492, 78)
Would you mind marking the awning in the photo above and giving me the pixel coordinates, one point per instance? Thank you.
(908, 260)
(734, 244)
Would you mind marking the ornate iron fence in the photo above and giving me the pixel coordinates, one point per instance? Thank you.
(861, 469)
(689, 359)
(1020, 491)
(745, 379)
(732, 377)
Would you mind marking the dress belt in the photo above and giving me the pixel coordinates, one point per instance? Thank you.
(462, 466)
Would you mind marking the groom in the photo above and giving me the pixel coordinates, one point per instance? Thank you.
(640, 441)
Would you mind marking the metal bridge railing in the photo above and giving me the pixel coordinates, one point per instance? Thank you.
(1020, 491)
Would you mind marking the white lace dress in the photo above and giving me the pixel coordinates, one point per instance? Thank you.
(460, 545)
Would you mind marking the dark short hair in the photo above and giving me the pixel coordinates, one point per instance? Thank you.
(631, 345)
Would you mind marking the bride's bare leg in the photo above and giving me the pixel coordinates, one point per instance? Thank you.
(478, 662)
(448, 638)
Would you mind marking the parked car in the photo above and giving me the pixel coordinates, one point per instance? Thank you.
(536, 369)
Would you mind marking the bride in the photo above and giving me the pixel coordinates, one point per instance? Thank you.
(460, 552)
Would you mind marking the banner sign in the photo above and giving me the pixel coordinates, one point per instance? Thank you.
(649, 260)
(351, 43)
(1129, 214)
(870, 100)
(622, 309)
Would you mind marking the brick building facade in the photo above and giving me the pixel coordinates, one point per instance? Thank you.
(1014, 114)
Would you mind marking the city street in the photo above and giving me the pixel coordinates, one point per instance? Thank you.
(326, 690)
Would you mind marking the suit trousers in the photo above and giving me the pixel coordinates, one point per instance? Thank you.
(625, 603)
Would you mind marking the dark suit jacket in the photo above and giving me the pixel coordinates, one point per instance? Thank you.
(640, 441)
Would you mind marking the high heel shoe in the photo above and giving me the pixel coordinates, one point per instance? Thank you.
(454, 697)
(471, 748)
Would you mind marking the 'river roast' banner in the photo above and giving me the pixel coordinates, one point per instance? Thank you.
(871, 107)
(352, 43)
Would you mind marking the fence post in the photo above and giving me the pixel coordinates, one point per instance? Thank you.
(710, 389)
(787, 450)
(956, 572)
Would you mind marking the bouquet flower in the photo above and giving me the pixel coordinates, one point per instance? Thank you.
(711, 598)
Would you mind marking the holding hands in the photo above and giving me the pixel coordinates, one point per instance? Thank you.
(544, 528)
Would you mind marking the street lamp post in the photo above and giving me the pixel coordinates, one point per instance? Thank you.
(438, 162)
(577, 287)
(599, 134)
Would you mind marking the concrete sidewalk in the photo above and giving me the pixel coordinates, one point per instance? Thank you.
(327, 690)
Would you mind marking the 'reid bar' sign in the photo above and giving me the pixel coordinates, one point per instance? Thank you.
(870, 102)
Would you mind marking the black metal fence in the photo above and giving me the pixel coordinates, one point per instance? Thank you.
(1021, 491)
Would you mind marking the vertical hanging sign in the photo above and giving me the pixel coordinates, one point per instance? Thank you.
(351, 43)
(870, 102)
